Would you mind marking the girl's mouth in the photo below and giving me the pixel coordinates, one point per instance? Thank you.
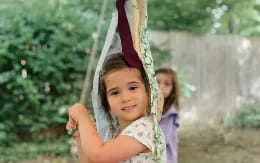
(128, 108)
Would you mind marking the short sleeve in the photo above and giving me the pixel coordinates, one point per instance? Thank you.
(142, 131)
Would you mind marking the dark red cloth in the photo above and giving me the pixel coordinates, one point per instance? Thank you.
(128, 50)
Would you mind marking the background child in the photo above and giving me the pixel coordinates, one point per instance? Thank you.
(168, 83)
(124, 93)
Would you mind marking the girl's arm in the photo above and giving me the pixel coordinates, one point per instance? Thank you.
(93, 147)
(81, 157)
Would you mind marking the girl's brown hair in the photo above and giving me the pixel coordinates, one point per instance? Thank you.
(173, 99)
(112, 63)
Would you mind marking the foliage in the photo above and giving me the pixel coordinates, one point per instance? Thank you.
(248, 117)
(206, 16)
(186, 88)
(238, 17)
(189, 15)
(44, 54)
(25, 150)
(160, 55)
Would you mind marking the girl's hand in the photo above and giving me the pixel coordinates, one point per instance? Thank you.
(76, 113)
(72, 128)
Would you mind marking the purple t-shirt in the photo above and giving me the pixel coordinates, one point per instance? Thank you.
(169, 124)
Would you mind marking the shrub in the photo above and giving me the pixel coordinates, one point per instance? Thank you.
(16, 152)
(248, 117)
(44, 54)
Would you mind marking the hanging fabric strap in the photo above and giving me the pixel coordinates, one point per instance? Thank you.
(128, 50)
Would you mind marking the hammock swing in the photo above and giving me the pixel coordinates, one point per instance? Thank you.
(127, 35)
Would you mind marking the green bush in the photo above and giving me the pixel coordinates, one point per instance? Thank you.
(17, 152)
(44, 52)
(249, 117)
(189, 15)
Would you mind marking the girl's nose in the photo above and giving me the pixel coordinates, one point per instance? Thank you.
(160, 86)
(125, 96)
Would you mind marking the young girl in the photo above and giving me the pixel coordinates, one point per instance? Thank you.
(124, 93)
(168, 82)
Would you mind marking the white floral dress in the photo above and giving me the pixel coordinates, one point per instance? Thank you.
(142, 131)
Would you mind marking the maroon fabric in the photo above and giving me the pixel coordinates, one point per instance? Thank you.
(128, 50)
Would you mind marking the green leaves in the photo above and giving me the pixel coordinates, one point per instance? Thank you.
(248, 117)
(203, 16)
(186, 88)
(25, 150)
(43, 58)
(186, 15)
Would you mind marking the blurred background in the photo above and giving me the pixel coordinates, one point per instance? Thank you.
(48, 53)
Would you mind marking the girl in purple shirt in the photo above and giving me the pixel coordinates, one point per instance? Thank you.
(168, 83)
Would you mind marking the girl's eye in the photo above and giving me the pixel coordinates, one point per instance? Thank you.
(114, 93)
(167, 84)
(133, 88)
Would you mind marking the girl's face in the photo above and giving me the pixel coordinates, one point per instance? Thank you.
(165, 83)
(126, 95)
